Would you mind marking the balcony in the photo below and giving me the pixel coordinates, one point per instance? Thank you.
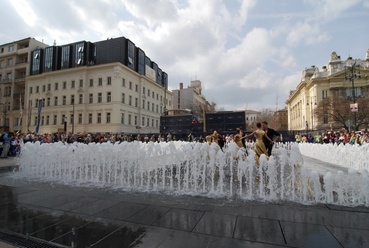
(23, 50)
(17, 95)
(20, 79)
(6, 80)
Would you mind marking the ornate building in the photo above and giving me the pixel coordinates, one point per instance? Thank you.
(343, 78)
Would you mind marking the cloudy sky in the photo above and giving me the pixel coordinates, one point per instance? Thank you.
(247, 53)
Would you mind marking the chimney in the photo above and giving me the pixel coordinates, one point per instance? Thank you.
(181, 86)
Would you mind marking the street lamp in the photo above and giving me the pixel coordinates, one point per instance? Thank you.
(312, 110)
(352, 72)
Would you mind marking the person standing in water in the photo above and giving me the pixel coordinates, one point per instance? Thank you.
(272, 134)
(259, 147)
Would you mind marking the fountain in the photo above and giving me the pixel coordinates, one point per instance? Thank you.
(349, 156)
(192, 169)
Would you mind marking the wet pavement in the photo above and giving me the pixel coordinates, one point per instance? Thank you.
(66, 216)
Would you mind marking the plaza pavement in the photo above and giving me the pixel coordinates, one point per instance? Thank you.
(65, 216)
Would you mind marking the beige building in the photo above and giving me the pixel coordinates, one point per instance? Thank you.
(101, 98)
(14, 68)
(281, 119)
(191, 98)
(251, 117)
(316, 85)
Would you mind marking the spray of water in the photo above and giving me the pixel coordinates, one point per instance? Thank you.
(192, 168)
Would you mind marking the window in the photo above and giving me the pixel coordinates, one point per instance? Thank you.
(10, 62)
(123, 98)
(108, 96)
(81, 83)
(152, 107)
(122, 118)
(99, 97)
(109, 81)
(30, 89)
(63, 119)
(71, 119)
(143, 90)
(55, 101)
(153, 95)
(108, 117)
(64, 85)
(47, 120)
(37, 89)
(56, 86)
(129, 119)
(64, 100)
(91, 99)
(100, 82)
(35, 121)
(79, 118)
(43, 88)
(42, 120)
(80, 101)
(324, 94)
(72, 99)
(136, 88)
(48, 87)
(143, 121)
(148, 122)
(143, 104)
(157, 96)
(48, 101)
(130, 101)
(148, 92)
(11, 48)
(73, 84)
(99, 118)
(148, 105)
(136, 118)
(90, 118)
(325, 119)
(91, 82)
(136, 102)
(123, 82)
(55, 120)
(130, 85)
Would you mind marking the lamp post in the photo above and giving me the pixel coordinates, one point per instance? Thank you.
(312, 110)
(350, 74)
(65, 124)
(73, 117)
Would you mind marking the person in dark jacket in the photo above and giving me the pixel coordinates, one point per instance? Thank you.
(272, 134)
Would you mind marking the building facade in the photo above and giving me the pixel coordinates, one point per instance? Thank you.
(191, 98)
(107, 86)
(14, 69)
(317, 85)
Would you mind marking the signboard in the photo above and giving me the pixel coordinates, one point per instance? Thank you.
(354, 107)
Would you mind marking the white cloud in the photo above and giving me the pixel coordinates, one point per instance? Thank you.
(25, 11)
(307, 34)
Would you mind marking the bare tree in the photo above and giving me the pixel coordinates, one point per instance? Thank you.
(334, 111)
(268, 115)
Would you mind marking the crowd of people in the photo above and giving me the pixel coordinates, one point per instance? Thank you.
(339, 137)
(262, 139)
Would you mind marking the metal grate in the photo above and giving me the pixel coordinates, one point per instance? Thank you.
(24, 242)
